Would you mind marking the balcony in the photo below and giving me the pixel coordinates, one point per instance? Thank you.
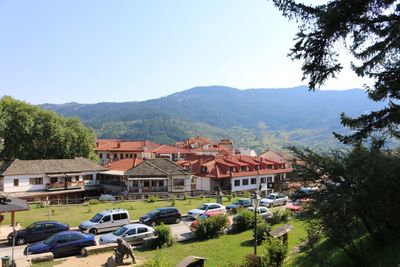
(149, 189)
(64, 185)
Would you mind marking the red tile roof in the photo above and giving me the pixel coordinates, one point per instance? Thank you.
(166, 149)
(124, 164)
(121, 145)
(220, 166)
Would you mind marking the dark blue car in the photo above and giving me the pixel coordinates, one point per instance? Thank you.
(62, 244)
(37, 231)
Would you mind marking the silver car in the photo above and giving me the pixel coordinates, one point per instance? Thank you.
(263, 211)
(274, 199)
(132, 233)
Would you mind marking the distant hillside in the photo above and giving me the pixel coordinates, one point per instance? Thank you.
(256, 118)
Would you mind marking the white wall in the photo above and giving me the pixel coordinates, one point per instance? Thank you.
(249, 186)
(203, 183)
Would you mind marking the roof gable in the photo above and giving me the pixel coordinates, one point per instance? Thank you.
(157, 167)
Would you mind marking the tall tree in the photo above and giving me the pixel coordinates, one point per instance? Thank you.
(371, 32)
(29, 132)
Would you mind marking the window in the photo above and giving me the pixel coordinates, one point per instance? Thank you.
(38, 227)
(142, 230)
(87, 177)
(154, 183)
(213, 207)
(108, 155)
(269, 179)
(253, 181)
(101, 155)
(160, 183)
(179, 182)
(53, 179)
(203, 169)
(243, 168)
(237, 182)
(49, 226)
(106, 218)
(263, 180)
(232, 169)
(245, 181)
(127, 156)
(63, 239)
(131, 232)
(74, 237)
(16, 182)
(269, 166)
(34, 181)
(120, 216)
(146, 183)
(121, 156)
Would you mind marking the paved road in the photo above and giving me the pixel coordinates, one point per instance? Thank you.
(180, 231)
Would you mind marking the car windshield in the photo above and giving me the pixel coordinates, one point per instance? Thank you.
(96, 218)
(50, 241)
(202, 207)
(154, 212)
(120, 231)
(271, 197)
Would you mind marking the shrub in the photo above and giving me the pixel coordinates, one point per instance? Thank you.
(212, 227)
(247, 194)
(185, 196)
(152, 198)
(275, 252)
(280, 216)
(251, 260)
(157, 261)
(164, 237)
(244, 220)
(94, 201)
(173, 200)
(262, 230)
(229, 197)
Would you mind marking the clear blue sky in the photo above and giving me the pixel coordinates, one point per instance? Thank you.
(95, 51)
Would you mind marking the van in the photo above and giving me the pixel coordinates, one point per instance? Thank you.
(105, 221)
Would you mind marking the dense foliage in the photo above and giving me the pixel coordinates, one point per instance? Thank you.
(164, 237)
(370, 30)
(244, 220)
(358, 197)
(212, 226)
(29, 132)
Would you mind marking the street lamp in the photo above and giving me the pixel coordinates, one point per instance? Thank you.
(255, 201)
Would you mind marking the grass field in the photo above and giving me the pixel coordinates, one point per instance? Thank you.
(75, 214)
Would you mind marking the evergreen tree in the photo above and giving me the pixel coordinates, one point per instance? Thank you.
(371, 32)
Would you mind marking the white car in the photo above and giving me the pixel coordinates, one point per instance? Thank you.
(131, 233)
(204, 208)
(263, 211)
(105, 221)
(274, 199)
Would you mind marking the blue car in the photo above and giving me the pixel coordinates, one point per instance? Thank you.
(62, 244)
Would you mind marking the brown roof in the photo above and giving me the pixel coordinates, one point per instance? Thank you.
(124, 164)
(123, 145)
(44, 166)
(157, 167)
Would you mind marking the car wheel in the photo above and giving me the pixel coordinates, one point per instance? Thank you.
(178, 220)
(284, 203)
(270, 205)
(20, 241)
(93, 231)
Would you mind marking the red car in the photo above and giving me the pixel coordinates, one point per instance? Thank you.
(297, 205)
(206, 215)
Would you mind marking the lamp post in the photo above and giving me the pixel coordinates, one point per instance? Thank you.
(255, 201)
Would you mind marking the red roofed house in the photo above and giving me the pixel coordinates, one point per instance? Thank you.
(139, 176)
(203, 146)
(280, 157)
(109, 150)
(235, 172)
(171, 153)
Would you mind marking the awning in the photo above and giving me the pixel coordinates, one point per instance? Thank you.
(56, 175)
(73, 174)
(112, 172)
(146, 179)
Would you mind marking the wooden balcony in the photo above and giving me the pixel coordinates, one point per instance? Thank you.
(64, 185)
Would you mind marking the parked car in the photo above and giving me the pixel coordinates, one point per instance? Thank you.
(107, 197)
(204, 208)
(263, 211)
(62, 244)
(297, 205)
(161, 215)
(240, 203)
(193, 226)
(37, 231)
(304, 192)
(274, 199)
(106, 221)
(132, 233)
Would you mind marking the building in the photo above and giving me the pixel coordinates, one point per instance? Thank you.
(203, 146)
(171, 153)
(235, 172)
(138, 176)
(109, 150)
(280, 157)
(56, 178)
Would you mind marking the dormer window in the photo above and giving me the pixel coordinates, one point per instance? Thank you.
(203, 169)
(232, 169)
(269, 166)
(244, 168)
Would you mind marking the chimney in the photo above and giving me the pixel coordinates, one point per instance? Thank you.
(118, 145)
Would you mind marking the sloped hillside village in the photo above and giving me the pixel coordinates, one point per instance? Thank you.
(139, 168)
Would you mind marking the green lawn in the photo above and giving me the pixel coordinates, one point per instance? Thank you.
(74, 215)
(222, 251)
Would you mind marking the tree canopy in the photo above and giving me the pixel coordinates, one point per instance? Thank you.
(370, 30)
(29, 132)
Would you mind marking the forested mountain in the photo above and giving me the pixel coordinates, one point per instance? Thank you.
(256, 118)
